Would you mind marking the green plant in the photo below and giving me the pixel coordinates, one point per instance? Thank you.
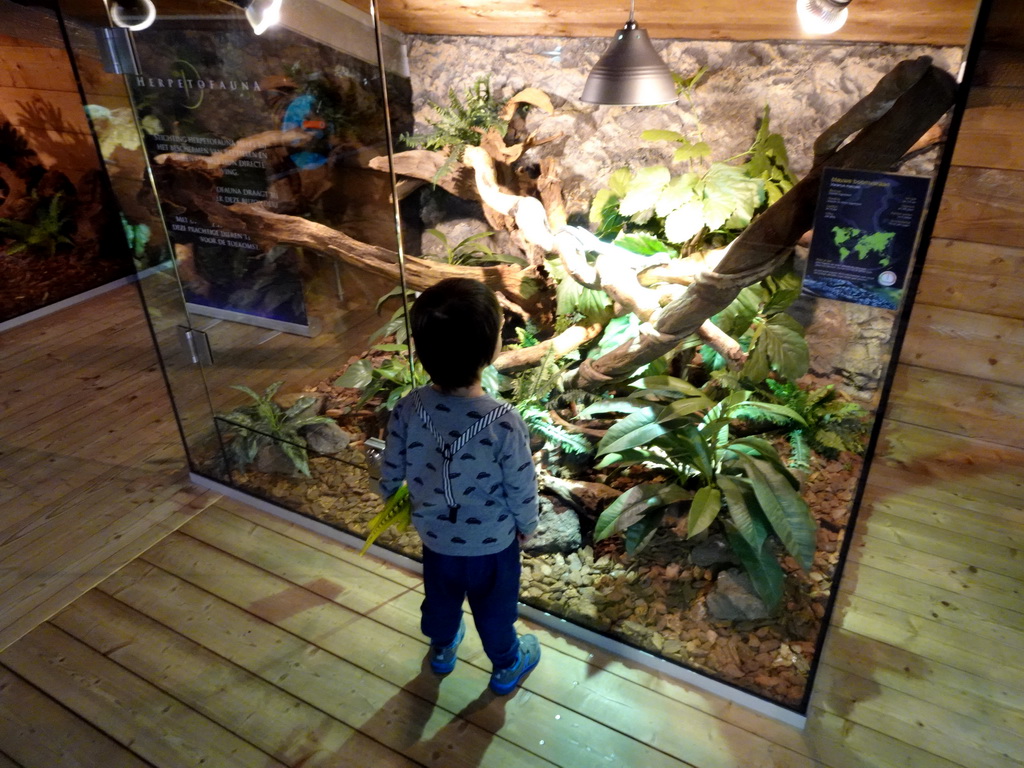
(701, 207)
(472, 251)
(831, 423)
(532, 391)
(43, 232)
(742, 476)
(460, 123)
(265, 423)
(396, 376)
(774, 340)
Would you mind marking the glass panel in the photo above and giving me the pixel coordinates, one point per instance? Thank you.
(100, 56)
(282, 288)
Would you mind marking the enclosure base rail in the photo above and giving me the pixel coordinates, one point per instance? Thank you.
(546, 620)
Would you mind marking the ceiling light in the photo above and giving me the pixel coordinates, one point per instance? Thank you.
(263, 14)
(630, 73)
(821, 17)
(134, 15)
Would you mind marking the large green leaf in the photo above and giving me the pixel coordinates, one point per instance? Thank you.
(764, 570)
(357, 376)
(634, 504)
(785, 509)
(619, 181)
(685, 222)
(728, 191)
(617, 331)
(704, 509)
(736, 318)
(644, 244)
(297, 455)
(740, 501)
(671, 386)
(636, 429)
(757, 365)
(618, 405)
(639, 534)
(784, 341)
(677, 193)
(644, 190)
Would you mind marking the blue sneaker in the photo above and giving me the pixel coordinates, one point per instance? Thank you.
(504, 680)
(443, 657)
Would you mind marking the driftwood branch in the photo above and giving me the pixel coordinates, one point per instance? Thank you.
(424, 165)
(514, 360)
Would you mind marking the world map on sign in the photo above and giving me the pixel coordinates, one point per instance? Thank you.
(850, 240)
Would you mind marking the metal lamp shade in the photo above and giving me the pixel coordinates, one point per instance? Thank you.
(630, 73)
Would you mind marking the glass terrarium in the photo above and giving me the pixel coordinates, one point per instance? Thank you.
(699, 373)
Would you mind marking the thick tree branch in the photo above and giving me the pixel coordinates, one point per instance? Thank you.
(515, 360)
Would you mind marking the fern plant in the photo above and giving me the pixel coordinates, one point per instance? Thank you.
(265, 423)
(460, 123)
(44, 232)
(831, 423)
(532, 392)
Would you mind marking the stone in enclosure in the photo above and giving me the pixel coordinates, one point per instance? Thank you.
(733, 598)
(326, 438)
(274, 461)
(558, 530)
(714, 550)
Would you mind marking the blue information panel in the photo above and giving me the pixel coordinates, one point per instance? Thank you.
(865, 229)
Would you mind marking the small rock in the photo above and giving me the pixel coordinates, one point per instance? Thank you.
(327, 438)
(557, 531)
(733, 598)
(714, 550)
(274, 461)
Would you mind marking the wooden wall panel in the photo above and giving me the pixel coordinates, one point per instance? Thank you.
(974, 277)
(965, 343)
(966, 405)
(983, 205)
(990, 134)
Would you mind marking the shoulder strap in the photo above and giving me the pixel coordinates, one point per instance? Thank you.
(448, 450)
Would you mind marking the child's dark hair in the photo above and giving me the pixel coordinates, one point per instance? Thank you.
(455, 324)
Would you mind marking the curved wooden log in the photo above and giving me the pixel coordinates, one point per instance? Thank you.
(193, 188)
(768, 241)
(423, 164)
(515, 360)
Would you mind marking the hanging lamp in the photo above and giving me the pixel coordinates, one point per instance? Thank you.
(822, 17)
(630, 73)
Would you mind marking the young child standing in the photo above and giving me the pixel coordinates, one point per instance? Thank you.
(466, 458)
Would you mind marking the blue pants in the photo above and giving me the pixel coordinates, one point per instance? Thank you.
(491, 582)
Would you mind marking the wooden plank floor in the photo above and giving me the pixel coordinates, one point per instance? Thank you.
(141, 631)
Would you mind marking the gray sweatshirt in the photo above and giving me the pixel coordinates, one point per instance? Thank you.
(491, 491)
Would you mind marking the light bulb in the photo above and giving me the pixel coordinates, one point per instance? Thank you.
(130, 19)
(822, 17)
(263, 14)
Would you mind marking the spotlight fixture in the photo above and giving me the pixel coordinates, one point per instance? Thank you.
(261, 14)
(822, 17)
(133, 15)
(630, 73)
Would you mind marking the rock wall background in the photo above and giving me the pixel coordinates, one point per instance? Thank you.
(807, 87)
